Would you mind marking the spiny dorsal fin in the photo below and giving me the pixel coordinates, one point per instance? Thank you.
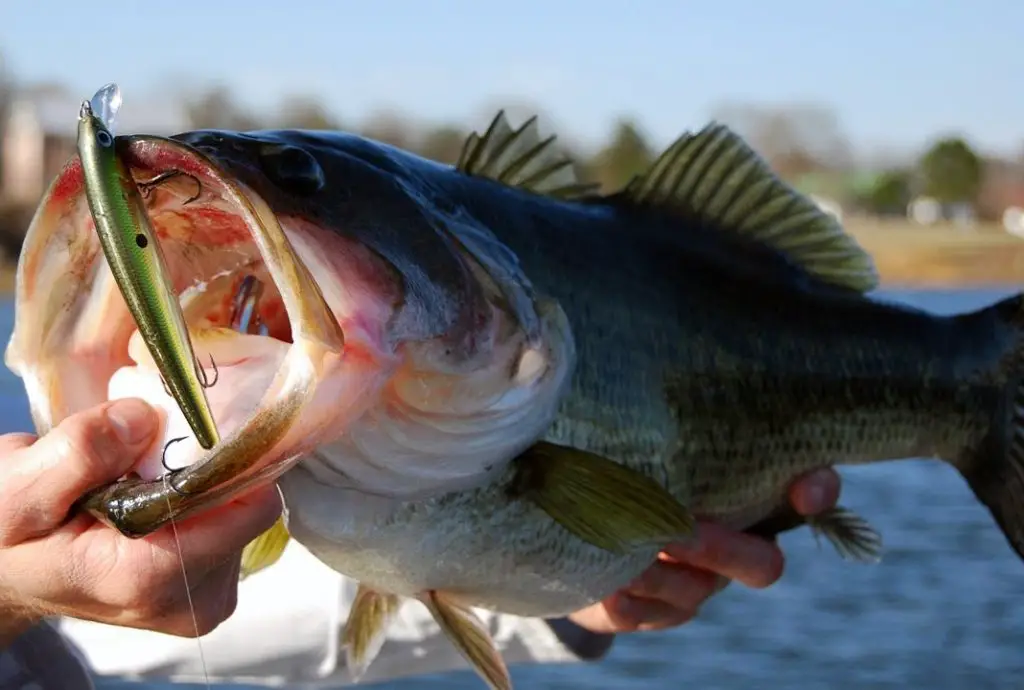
(717, 177)
(520, 158)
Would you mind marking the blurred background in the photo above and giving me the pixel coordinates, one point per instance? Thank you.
(902, 118)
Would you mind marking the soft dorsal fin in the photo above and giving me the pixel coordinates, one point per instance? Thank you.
(520, 158)
(715, 176)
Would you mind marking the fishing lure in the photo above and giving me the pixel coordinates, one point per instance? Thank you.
(138, 264)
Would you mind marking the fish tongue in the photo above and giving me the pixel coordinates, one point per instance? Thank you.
(245, 367)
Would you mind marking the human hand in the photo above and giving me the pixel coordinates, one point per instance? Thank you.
(55, 564)
(671, 591)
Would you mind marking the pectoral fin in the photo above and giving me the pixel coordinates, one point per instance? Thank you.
(469, 635)
(263, 551)
(850, 534)
(366, 629)
(601, 501)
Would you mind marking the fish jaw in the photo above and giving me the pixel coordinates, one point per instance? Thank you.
(73, 336)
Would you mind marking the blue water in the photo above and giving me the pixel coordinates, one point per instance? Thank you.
(945, 608)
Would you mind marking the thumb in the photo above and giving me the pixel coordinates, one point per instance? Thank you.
(40, 483)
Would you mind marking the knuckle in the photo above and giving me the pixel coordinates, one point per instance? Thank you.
(84, 441)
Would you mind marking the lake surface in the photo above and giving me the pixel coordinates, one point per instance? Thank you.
(945, 608)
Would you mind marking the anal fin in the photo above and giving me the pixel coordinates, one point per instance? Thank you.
(469, 635)
(366, 628)
(265, 550)
(850, 534)
(602, 502)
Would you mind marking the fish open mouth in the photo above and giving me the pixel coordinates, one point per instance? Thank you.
(252, 295)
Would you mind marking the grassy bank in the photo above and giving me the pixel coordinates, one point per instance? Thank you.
(907, 255)
(942, 256)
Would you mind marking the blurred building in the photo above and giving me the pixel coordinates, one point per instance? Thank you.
(40, 129)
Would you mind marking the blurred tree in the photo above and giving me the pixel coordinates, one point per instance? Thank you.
(795, 139)
(951, 172)
(216, 109)
(626, 156)
(888, 194)
(390, 128)
(1002, 186)
(443, 144)
(6, 93)
(305, 112)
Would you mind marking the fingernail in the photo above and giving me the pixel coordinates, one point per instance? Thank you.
(133, 420)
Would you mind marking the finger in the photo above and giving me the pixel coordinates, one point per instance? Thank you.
(815, 492)
(40, 483)
(681, 587)
(211, 538)
(637, 613)
(751, 560)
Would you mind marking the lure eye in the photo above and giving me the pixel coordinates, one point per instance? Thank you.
(104, 139)
(141, 240)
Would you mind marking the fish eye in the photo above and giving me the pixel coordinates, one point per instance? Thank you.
(141, 240)
(292, 168)
(104, 139)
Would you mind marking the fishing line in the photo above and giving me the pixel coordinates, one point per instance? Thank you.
(251, 302)
(188, 593)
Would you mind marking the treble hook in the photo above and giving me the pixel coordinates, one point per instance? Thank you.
(163, 456)
(203, 379)
(147, 185)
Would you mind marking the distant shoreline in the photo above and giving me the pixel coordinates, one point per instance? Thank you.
(907, 256)
(942, 257)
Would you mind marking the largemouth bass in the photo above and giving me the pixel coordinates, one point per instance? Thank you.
(486, 385)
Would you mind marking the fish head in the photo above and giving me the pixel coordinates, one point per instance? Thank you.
(338, 307)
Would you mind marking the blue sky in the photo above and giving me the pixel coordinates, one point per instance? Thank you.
(898, 72)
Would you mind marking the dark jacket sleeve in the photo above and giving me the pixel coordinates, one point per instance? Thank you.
(588, 646)
(40, 659)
